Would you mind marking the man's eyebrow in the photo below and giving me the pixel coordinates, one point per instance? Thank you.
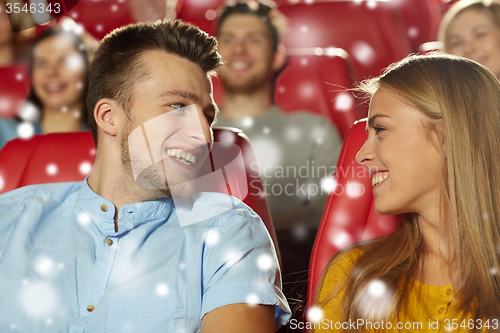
(372, 119)
(189, 96)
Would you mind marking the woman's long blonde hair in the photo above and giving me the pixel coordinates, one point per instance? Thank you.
(463, 97)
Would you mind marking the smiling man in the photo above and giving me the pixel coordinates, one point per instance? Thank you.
(110, 254)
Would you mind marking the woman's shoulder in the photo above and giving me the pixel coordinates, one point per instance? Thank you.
(338, 268)
(342, 263)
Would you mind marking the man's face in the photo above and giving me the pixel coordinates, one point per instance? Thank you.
(165, 142)
(245, 43)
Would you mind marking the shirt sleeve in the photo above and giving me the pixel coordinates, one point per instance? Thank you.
(240, 266)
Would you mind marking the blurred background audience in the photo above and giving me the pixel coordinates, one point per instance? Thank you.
(471, 29)
(58, 66)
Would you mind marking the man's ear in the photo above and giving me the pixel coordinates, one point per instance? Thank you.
(106, 114)
(279, 58)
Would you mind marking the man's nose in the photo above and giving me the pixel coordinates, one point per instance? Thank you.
(197, 127)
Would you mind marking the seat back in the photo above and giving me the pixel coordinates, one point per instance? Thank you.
(370, 31)
(97, 17)
(319, 84)
(14, 87)
(64, 157)
(349, 215)
(202, 13)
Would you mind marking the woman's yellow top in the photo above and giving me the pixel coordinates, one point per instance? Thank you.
(431, 308)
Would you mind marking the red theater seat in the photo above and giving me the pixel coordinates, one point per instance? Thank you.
(14, 87)
(202, 13)
(349, 215)
(64, 157)
(319, 84)
(370, 31)
(100, 17)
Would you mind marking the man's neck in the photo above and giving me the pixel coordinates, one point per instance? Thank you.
(240, 105)
(110, 180)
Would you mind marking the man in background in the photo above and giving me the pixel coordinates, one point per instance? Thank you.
(295, 151)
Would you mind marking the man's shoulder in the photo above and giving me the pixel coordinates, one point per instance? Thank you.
(226, 207)
(55, 192)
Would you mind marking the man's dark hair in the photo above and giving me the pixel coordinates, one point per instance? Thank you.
(275, 20)
(117, 66)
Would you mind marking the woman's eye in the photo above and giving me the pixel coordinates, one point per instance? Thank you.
(456, 44)
(481, 34)
(378, 129)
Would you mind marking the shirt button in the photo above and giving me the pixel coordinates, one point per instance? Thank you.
(448, 292)
(440, 310)
(104, 207)
(108, 241)
(90, 308)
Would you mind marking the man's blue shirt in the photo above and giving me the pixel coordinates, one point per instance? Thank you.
(63, 268)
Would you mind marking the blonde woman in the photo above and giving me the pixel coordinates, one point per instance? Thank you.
(432, 150)
(471, 29)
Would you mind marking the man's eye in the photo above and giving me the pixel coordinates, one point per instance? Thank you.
(210, 119)
(177, 106)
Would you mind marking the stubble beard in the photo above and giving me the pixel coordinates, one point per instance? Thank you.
(153, 177)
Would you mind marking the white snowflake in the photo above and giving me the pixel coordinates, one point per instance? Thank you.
(315, 314)
(265, 262)
(162, 289)
(212, 237)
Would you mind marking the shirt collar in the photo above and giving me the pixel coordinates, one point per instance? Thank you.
(102, 211)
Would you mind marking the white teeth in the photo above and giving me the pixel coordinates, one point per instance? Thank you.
(53, 87)
(378, 178)
(182, 156)
(239, 65)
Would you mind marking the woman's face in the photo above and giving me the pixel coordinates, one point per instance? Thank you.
(473, 34)
(59, 73)
(404, 163)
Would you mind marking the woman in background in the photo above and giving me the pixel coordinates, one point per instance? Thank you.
(432, 150)
(59, 64)
(471, 29)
